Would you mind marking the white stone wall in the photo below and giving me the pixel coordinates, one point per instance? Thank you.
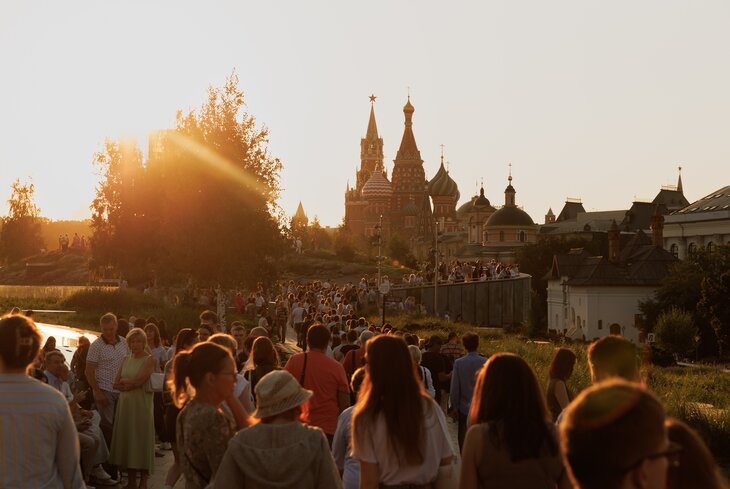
(580, 308)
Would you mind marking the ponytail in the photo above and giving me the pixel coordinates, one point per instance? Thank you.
(189, 368)
(178, 382)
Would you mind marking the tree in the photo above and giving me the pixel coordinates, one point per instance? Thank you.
(675, 331)
(21, 228)
(317, 237)
(398, 249)
(204, 205)
(344, 243)
(695, 284)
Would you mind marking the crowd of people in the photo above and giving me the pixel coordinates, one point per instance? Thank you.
(357, 405)
(462, 271)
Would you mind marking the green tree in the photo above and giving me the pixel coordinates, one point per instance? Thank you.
(344, 243)
(714, 304)
(675, 331)
(21, 228)
(205, 202)
(317, 237)
(398, 249)
(694, 284)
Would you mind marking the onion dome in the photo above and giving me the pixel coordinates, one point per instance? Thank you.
(466, 206)
(442, 185)
(408, 108)
(377, 187)
(510, 216)
(482, 200)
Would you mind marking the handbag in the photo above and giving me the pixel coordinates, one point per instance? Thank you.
(155, 382)
(448, 475)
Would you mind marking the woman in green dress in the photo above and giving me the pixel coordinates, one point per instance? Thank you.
(133, 441)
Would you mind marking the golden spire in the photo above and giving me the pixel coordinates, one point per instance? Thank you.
(510, 173)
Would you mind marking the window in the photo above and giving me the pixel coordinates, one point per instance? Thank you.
(710, 247)
(523, 236)
(600, 324)
(674, 249)
(501, 235)
(692, 249)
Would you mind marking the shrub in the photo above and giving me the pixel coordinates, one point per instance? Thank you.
(675, 331)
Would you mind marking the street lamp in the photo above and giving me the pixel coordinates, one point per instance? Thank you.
(435, 268)
(379, 235)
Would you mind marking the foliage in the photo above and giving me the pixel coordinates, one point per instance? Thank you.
(203, 206)
(675, 331)
(399, 250)
(21, 228)
(316, 237)
(697, 284)
(537, 319)
(344, 243)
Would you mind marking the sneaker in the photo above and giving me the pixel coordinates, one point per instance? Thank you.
(100, 474)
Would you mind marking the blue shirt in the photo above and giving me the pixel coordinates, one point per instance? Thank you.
(463, 379)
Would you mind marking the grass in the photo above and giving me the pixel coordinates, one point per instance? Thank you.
(699, 396)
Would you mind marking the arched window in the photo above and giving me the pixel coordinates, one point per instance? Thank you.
(486, 236)
(615, 329)
(710, 247)
(674, 250)
(501, 235)
(523, 236)
(691, 249)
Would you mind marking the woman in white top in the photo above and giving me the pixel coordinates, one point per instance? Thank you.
(242, 388)
(398, 431)
(423, 373)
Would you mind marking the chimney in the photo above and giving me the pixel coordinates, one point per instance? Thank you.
(657, 228)
(614, 242)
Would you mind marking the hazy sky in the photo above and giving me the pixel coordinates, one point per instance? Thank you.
(593, 99)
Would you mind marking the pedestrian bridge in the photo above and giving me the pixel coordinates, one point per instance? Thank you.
(492, 303)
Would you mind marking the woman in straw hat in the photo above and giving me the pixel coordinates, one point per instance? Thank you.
(280, 451)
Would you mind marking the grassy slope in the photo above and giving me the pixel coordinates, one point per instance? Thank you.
(699, 396)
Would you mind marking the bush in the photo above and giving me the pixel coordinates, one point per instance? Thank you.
(675, 331)
(120, 301)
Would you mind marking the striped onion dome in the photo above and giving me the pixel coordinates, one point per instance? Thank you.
(442, 185)
(377, 187)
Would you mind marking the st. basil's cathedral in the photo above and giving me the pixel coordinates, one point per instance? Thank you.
(416, 209)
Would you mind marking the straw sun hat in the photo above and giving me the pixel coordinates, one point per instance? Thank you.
(277, 392)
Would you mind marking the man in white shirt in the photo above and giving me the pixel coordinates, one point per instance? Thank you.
(106, 355)
(297, 315)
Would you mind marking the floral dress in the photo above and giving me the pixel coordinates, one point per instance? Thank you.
(203, 432)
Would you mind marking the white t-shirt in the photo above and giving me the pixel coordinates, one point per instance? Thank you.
(374, 448)
(297, 314)
(108, 359)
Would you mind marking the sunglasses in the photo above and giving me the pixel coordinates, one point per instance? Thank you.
(672, 454)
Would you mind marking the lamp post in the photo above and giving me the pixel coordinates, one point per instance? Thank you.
(435, 268)
(379, 235)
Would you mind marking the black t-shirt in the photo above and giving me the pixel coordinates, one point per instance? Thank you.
(436, 363)
(347, 348)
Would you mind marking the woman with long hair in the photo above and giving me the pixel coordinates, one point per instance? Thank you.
(265, 359)
(159, 354)
(398, 431)
(561, 368)
(184, 341)
(511, 442)
(133, 439)
(203, 378)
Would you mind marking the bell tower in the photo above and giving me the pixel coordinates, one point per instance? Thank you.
(371, 150)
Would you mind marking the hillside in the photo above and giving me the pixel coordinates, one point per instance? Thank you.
(53, 268)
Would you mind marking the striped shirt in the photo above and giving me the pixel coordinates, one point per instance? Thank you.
(39, 445)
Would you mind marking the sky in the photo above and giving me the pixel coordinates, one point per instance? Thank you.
(588, 99)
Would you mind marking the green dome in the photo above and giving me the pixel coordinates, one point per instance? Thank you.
(442, 185)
